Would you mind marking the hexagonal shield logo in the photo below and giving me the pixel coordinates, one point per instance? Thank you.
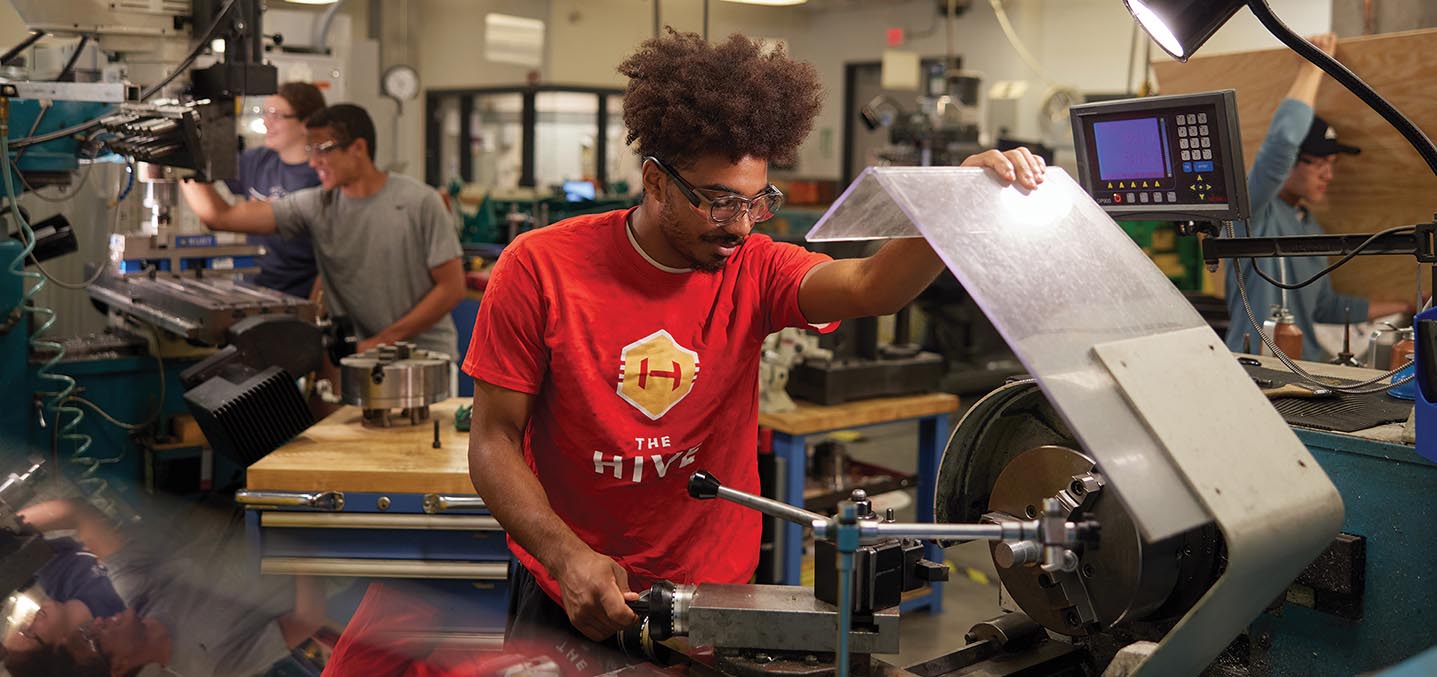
(655, 373)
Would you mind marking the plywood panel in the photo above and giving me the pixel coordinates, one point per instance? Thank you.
(1388, 184)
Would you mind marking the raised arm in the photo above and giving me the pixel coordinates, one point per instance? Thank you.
(890, 279)
(251, 216)
(92, 529)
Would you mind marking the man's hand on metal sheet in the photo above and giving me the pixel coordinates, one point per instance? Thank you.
(1019, 165)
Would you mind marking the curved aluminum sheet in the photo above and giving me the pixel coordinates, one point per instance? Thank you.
(1056, 276)
(1181, 432)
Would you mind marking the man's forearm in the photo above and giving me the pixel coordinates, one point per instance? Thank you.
(251, 216)
(514, 496)
(204, 201)
(898, 273)
(431, 308)
(92, 529)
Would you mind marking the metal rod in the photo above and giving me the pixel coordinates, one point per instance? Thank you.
(769, 506)
(24, 44)
(1005, 531)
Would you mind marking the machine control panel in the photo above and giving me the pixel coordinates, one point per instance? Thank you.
(1167, 157)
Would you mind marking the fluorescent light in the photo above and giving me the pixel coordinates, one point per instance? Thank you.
(769, 3)
(1157, 27)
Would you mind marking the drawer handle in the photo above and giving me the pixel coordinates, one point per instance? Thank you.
(435, 503)
(384, 568)
(361, 520)
(324, 500)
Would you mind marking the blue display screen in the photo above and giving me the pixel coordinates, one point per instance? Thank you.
(1130, 149)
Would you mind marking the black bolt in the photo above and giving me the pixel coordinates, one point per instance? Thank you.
(1077, 488)
(1073, 619)
(970, 638)
(436, 434)
(1032, 512)
(1089, 571)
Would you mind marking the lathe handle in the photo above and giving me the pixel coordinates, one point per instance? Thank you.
(703, 485)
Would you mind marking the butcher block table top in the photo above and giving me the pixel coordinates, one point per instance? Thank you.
(341, 454)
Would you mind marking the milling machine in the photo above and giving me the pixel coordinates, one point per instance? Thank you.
(146, 88)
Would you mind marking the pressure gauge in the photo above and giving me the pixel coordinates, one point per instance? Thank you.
(401, 82)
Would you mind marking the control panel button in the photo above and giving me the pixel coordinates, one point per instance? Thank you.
(1192, 119)
(1143, 197)
(1182, 131)
(1130, 197)
(1207, 154)
(1172, 196)
(1157, 197)
(1202, 166)
(1187, 155)
(1117, 198)
(1203, 130)
(1187, 167)
(1202, 117)
(1183, 144)
(1206, 142)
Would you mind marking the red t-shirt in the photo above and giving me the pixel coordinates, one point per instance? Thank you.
(642, 376)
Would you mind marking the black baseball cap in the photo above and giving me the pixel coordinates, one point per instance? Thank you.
(1322, 140)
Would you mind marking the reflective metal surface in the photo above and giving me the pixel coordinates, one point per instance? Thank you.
(1056, 276)
(778, 618)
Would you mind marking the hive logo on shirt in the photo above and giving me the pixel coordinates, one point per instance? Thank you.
(655, 373)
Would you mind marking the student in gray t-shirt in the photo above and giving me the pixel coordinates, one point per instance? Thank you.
(388, 251)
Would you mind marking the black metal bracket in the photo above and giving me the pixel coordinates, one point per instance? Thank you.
(1421, 243)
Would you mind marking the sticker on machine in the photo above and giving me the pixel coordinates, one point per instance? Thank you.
(656, 373)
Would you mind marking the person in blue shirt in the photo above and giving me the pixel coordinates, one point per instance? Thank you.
(1291, 172)
(279, 168)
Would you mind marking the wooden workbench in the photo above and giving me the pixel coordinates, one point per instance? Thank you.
(811, 418)
(341, 454)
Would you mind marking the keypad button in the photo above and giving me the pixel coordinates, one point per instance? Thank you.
(1203, 130)
(1202, 117)
(1207, 155)
(1192, 119)
(1182, 131)
(1183, 144)
(1172, 196)
(1187, 155)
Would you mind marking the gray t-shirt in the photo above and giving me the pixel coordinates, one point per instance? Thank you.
(375, 253)
(221, 622)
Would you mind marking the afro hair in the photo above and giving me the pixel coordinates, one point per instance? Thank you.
(687, 98)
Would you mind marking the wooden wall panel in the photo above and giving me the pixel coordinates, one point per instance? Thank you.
(1388, 184)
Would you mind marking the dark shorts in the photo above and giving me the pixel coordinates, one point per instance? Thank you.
(538, 626)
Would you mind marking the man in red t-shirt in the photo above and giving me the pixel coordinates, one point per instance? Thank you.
(615, 354)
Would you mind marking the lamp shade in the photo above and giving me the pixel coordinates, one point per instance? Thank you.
(1180, 27)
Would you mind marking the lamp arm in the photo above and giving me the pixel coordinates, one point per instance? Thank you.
(1354, 84)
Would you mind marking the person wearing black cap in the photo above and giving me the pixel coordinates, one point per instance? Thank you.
(1291, 172)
